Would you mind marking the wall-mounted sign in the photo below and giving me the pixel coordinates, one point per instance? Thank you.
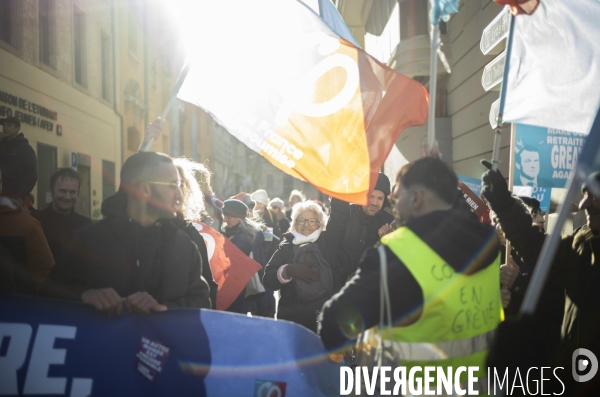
(494, 109)
(493, 72)
(495, 32)
(27, 112)
(74, 160)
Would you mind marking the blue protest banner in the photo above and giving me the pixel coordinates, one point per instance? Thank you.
(50, 347)
(545, 157)
(473, 183)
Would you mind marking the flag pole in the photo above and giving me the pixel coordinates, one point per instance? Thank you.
(435, 38)
(178, 83)
(503, 89)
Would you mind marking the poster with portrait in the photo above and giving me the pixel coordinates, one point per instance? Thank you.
(545, 157)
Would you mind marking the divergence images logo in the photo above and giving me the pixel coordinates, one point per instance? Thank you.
(584, 364)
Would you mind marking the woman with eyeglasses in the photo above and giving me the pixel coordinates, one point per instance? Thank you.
(305, 267)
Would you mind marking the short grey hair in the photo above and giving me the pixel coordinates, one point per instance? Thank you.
(309, 205)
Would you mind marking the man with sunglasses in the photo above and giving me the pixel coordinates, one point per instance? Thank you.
(134, 258)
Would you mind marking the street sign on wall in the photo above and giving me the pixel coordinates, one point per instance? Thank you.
(492, 73)
(495, 32)
(494, 113)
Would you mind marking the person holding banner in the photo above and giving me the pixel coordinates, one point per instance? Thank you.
(304, 267)
(570, 302)
(134, 257)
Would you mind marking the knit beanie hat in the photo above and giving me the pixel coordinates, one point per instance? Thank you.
(261, 196)
(235, 208)
(276, 203)
(383, 184)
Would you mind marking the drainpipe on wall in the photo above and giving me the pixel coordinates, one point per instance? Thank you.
(115, 77)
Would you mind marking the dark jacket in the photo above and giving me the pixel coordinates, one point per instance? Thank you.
(569, 306)
(18, 165)
(119, 253)
(453, 235)
(361, 234)
(59, 228)
(329, 243)
(206, 272)
(241, 240)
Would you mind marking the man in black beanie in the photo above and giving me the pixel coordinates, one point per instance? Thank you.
(366, 221)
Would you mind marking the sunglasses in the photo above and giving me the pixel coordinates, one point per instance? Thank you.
(179, 183)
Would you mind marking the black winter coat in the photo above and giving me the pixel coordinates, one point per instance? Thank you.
(361, 234)
(568, 311)
(329, 243)
(197, 238)
(59, 228)
(18, 165)
(119, 253)
(241, 240)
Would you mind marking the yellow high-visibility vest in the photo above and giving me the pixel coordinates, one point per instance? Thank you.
(460, 312)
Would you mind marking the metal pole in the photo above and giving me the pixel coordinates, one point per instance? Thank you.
(435, 38)
(498, 137)
(178, 83)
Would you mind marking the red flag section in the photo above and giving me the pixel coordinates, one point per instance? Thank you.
(230, 267)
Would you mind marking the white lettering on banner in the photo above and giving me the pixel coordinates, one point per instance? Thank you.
(43, 355)
(18, 336)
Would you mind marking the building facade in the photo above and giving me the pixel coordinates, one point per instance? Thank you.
(56, 76)
(397, 33)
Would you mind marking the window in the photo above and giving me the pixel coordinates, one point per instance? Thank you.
(46, 32)
(46, 166)
(108, 179)
(79, 47)
(105, 58)
(5, 21)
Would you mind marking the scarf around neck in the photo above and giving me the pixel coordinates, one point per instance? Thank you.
(300, 239)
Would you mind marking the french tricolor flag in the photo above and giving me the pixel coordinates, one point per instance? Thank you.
(278, 78)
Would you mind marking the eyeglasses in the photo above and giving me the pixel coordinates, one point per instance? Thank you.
(179, 183)
(309, 222)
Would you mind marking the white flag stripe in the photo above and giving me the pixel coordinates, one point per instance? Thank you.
(554, 75)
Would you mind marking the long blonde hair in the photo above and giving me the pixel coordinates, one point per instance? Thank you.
(193, 198)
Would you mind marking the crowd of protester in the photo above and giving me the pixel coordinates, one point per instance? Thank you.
(323, 263)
